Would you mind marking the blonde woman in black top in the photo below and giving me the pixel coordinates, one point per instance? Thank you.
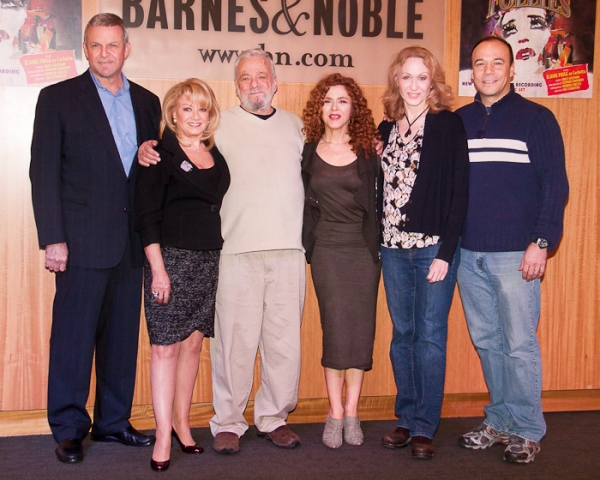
(177, 207)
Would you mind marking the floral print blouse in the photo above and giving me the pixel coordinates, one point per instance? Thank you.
(400, 164)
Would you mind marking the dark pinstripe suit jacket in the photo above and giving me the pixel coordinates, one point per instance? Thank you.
(81, 193)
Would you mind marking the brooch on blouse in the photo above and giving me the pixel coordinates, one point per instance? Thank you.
(186, 166)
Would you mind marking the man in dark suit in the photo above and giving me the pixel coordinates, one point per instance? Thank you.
(85, 138)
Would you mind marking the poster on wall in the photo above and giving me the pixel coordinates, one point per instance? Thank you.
(307, 39)
(552, 42)
(40, 41)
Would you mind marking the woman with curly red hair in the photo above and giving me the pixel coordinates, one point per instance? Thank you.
(340, 235)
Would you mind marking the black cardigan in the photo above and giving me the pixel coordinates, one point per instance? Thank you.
(176, 210)
(365, 196)
(438, 201)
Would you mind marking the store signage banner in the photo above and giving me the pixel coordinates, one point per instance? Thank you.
(306, 38)
(552, 42)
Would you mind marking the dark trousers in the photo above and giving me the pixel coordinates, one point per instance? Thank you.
(94, 309)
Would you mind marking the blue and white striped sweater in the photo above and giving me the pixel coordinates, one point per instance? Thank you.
(518, 184)
(498, 150)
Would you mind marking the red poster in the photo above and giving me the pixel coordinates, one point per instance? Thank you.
(40, 41)
(552, 42)
(566, 80)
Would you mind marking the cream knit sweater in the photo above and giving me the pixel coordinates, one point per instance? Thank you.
(262, 210)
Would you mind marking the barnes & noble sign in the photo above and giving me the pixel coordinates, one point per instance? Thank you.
(306, 38)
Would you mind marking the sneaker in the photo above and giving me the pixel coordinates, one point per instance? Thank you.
(483, 437)
(520, 450)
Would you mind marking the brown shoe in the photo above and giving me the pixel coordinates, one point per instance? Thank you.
(399, 438)
(282, 437)
(422, 448)
(226, 443)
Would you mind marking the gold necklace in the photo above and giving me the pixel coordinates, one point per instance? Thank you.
(328, 145)
(190, 146)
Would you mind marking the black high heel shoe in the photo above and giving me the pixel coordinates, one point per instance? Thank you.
(187, 448)
(159, 466)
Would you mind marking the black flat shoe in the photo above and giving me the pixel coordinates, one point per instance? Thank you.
(187, 448)
(128, 436)
(159, 466)
(69, 450)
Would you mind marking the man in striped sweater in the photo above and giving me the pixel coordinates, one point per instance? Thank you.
(517, 193)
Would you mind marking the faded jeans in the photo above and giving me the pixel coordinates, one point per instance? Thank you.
(502, 313)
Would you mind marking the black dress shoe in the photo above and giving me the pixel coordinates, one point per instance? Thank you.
(69, 450)
(128, 436)
(187, 448)
(422, 448)
(399, 438)
(159, 466)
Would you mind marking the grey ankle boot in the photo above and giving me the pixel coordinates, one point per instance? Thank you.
(332, 434)
(353, 434)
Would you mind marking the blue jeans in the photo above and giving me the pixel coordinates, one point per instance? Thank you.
(502, 313)
(419, 312)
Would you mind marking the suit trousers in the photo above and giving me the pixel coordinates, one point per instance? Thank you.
(259, 305)
(94, 309)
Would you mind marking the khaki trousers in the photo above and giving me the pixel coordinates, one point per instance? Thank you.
(259, 305)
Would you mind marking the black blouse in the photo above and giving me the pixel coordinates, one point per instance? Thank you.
(175, 205)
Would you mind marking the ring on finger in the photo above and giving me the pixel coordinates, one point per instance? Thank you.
(155, 294)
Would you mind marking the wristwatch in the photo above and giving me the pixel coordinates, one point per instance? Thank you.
(542, 242)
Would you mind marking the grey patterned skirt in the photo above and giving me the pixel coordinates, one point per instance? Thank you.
(191, 306)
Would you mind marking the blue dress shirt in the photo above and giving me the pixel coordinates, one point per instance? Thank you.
(119, 110)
